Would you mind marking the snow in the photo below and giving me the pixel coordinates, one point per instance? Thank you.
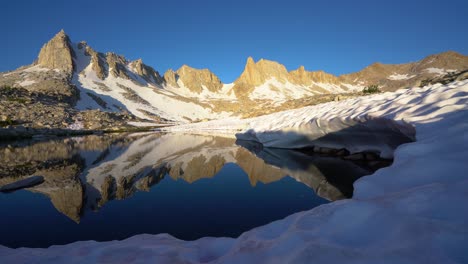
(438, 71)
(225, 93)
(397, 77)
(162, 103)
(36, 68)
(411, 212)
(26, 82)
(278, 91)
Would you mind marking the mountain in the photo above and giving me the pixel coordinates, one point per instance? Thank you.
(394, 76)
(89, 85)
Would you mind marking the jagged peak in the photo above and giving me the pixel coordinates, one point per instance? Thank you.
(57, 53)
(170, 71)
(250, 60)
(300, 69)
(61, 33)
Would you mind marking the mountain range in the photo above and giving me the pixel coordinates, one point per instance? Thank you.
(74, 78)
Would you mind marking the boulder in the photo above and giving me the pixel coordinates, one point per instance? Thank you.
(21, 184)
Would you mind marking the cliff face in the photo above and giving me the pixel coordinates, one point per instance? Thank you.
(57, 54)
(195, 80)
(259, 73)
(256, 74)
(146, 72)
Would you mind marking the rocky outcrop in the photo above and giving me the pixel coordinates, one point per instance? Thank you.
(196, 80)
(170, 78)
(117, 65)
(98, 60)
(146, 72)
(256, 74)
(21, 184)
(57, 54)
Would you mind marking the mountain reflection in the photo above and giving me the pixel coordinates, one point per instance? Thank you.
(83, 173)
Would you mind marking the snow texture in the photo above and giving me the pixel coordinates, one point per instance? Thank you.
(439, 71)
(411, 212)
(397, 77)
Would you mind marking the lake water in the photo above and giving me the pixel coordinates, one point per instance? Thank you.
(114, 186)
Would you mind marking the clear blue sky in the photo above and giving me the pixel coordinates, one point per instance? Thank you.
(335, 36)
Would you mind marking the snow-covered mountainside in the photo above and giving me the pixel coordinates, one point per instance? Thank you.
(410, 212)
(133, 94)
(91, 80)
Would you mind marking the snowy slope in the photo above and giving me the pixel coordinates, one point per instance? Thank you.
(278, 91)
(410, 212)
(152, 99)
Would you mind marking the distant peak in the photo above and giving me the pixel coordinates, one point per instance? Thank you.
(250, 60)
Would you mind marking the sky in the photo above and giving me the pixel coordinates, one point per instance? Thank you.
(335, 36)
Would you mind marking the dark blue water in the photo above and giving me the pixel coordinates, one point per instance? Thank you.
(225, 205)
(198, 202)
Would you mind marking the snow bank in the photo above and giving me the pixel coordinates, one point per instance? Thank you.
(411, 212)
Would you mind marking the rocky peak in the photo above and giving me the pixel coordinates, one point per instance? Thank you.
(117, 65)
(449, 60)
(194, 79)
(170, 78)
(146, 72)
(57, 53)
(256, 74)
(98, 60)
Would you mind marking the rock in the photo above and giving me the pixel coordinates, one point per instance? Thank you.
(371, 156)
(342, 152)
(146, 72)
(21, 184)
(356, 156)
(194, 79)
(256, 74)
(116, 65)
(327, 151)
(57, 54)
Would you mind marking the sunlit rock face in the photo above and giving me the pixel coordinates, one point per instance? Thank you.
(57, 54)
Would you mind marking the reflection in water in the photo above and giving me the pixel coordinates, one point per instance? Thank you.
(83, 174)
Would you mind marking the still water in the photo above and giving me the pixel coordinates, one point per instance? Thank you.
(114, 186)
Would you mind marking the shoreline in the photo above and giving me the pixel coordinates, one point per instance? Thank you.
(13, 133)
